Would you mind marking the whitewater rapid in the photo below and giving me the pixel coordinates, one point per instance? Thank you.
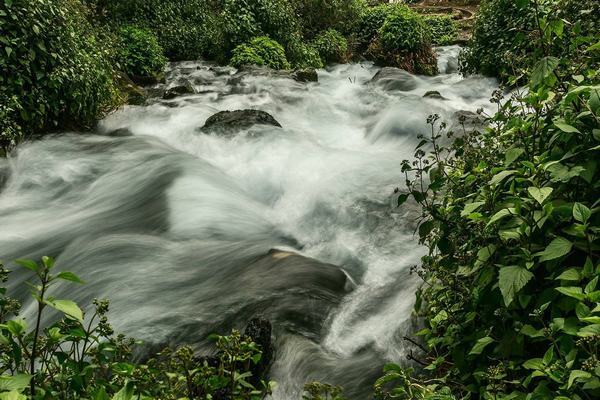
(176, 227)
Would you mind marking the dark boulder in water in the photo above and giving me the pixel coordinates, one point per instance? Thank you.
(434, 94)
(305, 75)
(394, 79)
(231, 121)
(120, 132)
(182, 89)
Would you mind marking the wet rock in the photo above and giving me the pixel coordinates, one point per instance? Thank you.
(259, 331)
(394, 79)
(134, 94)
(148, 80)
(468, 117)
(434, 94)
(121, 132)
(305, 75)
(184, 88)
(228, 121)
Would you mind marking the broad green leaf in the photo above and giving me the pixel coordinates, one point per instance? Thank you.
(12, 395)
(469, 208)
(590, 330)
(126, 393)
(16, 382)
(511, 155)
(540, 195)
(530, 331)
(16, 326)
(563, 126)
(68, 307)
(511, 280)
(576, 375)
(481, 345)
(505, 212)
(69, 276)
(591, 286)
(534, 363)
(581, 213)
(543, 69)
(571, 274)
(29, 264)
(573, 291)
(557, 248)
(499, 177)
(591, 320)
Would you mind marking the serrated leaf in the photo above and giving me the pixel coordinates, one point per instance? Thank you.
(481, 344)
(571, 274)
(559, 247)
(540, 195)
(572, 291)
(543, 69)
(511, 280)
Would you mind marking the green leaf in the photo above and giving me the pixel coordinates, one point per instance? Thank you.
(576, 375)
(534, 363)
(572, 291)
(469, 208)
(530, 331)
(590, 330)
(16, 382)
(591, 286)
(499, 177)
(29, 264)
(12, 395)
(126, 393)
(563, 126)
(581, 213)
(511, 280)
(543, 69)
(69, 276)
(569, 275)
(557, 248)
(540, 195)
(68, 307)
(511, 155)
(481, 345)
(591, 320)
(505, 212)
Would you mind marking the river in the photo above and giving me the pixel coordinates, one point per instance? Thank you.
(189, 233)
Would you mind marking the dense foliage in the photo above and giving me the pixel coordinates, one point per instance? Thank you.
(506, 30)
(331, 46)
(443, 30)
(80, 357)
(511, 300)
(139, 52)
(57, 69)
(260, 51)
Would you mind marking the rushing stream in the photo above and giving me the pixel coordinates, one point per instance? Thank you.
(177, 227)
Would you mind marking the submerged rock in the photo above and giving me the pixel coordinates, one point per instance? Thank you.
(305, 75)
(231, 121)
(179, 90)
(134, 94)
(148, 80)
(393, 79)
(434, 94)
(120, 132)
(259, 331)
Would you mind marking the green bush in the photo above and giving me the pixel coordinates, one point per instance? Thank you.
(511, 218)
(331, 46)
(403, 29)
(57, 68)
(302, 55)
(443, 30)
(260, 51)
(320, 15)
(73, 359)
(367, 28)
(139, 52)
(245, 19)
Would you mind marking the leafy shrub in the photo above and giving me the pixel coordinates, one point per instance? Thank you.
(403, 29)
(72, 360)
(139, 53)
(443, 30)
(331, 46)
(245, 19)
(302, 55)
(320, 15)
(511, 219)
(367, 28)
(55, 64)
(260, 51)
(504, 33)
